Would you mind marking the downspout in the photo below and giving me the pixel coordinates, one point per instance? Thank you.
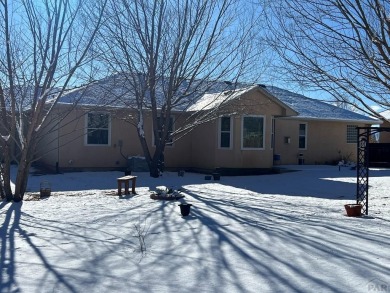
(58, 149)
(273, 130)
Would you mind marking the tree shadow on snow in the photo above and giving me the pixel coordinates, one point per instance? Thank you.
(244, 230)
(10, 231)
(379, 172)
(46, 244)
(330, 185)
(7, 252)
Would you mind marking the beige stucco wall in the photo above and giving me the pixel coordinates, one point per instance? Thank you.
(74, 153)
(197, 149)
(47, 148)
(384, 137)
(203, 145)
(207, 154)
(326, 142)
(179, 154)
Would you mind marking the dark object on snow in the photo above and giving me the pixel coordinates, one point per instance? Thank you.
(216, 176)
(45, 189)
(353, 210)
(185, 209)
(301, 160)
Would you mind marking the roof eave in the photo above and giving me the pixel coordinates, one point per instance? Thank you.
(372, 122)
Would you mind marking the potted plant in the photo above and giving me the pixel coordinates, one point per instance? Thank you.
(353, 210)
(165, 193)
(185, 209)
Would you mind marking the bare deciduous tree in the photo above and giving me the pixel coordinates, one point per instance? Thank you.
(170, 51)
(45, 47)
(340, 46)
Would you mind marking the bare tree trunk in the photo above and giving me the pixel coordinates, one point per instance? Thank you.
(2, 193)
(157, 162)
(9, 126)
(151, 161)
(25, 161)
(21, 180)
(6, 173)
(40, 65)
(169, 50)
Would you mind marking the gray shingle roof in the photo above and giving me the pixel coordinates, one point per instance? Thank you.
(314, 109)
(114, 91)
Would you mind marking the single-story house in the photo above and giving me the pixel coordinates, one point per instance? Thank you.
(384, 137)
(263, 126)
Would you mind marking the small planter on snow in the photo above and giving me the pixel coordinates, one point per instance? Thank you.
(353, 210)
(185, 209)
(216, 176)
(45, 189)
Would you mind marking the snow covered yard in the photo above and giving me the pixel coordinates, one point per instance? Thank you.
(271, 233)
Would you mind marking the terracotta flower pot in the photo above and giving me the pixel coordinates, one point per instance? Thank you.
(353, 210)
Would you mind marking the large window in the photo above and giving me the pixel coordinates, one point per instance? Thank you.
(253, 132)
(98, 129)
(302, 136)
(352, 133)
(225, 132)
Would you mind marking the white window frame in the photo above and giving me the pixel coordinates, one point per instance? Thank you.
(353, 135)
(230, 133)
(168, 144)
(242, 132)
(87, 128)
(305, 135)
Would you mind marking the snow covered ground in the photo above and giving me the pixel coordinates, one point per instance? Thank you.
(271, 233)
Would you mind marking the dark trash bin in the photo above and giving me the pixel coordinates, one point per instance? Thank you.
(185, 209)
(301, 160)
(216, 176)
